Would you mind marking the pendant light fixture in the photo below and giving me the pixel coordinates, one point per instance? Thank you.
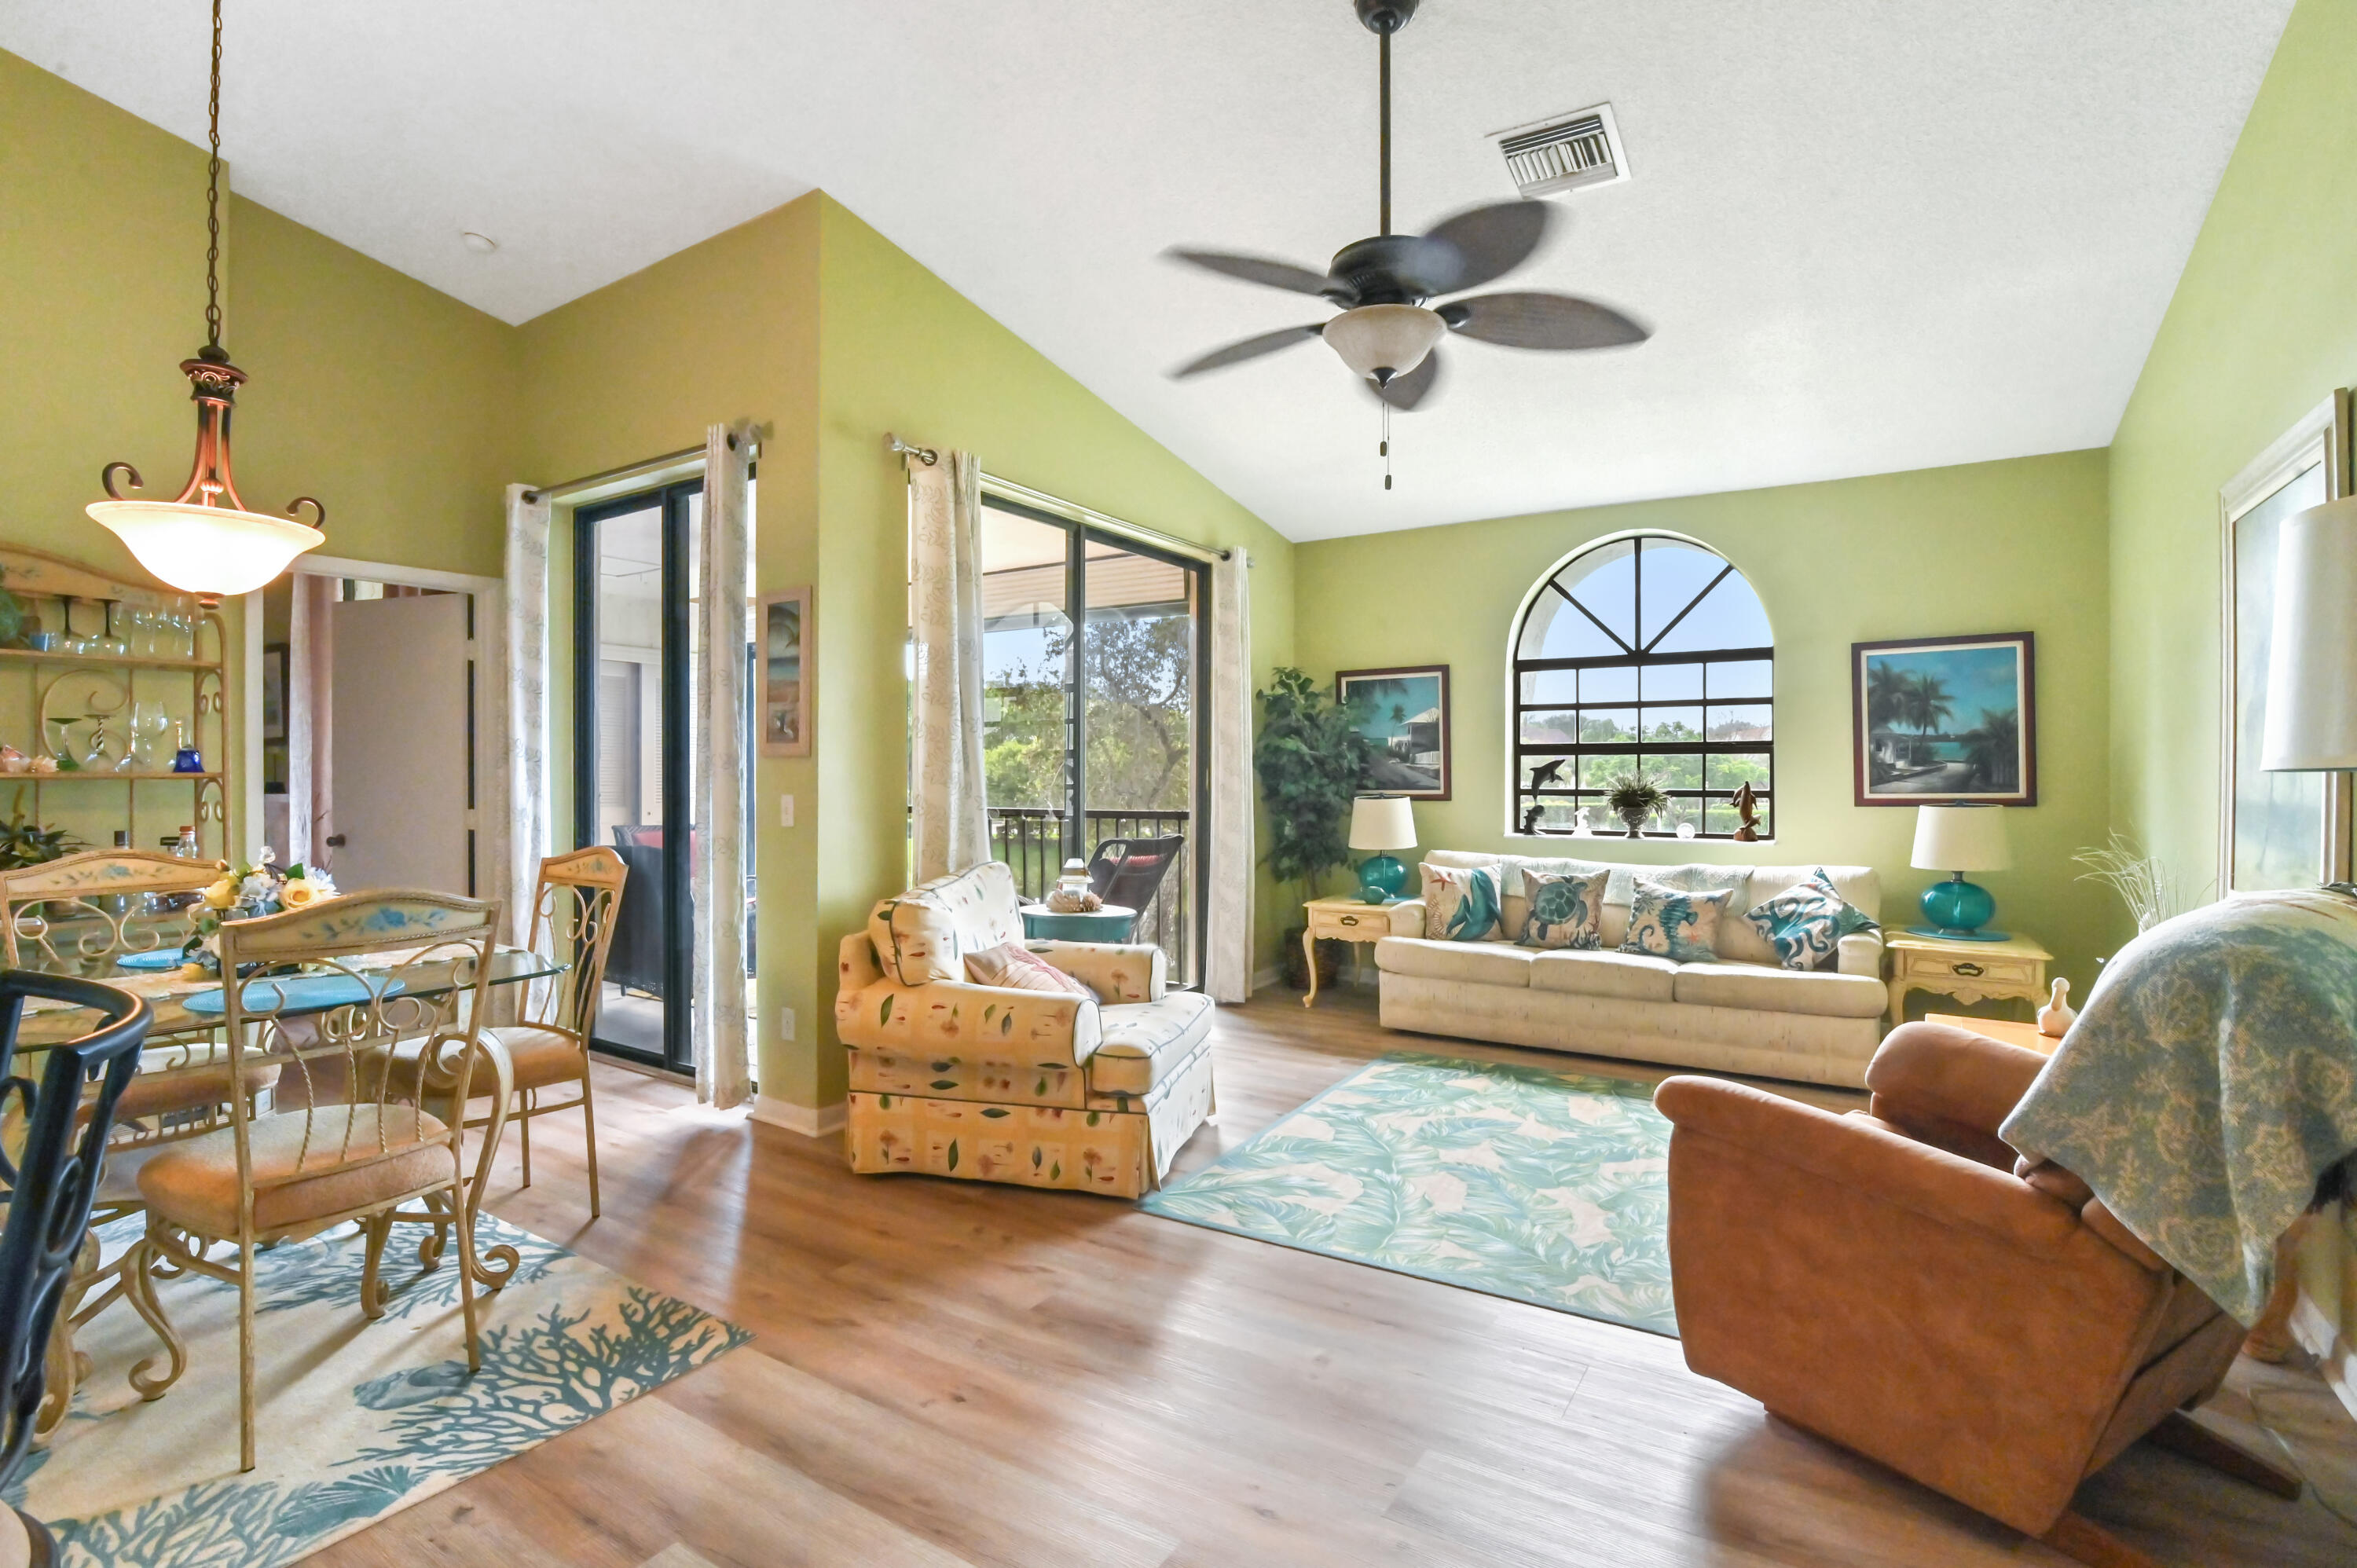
(205, 542)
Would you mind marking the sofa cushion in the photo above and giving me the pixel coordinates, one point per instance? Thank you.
(1485, 963)
(1564, 909)
(1760, 988)
(925, 934)
(1805, 922)
(1145, 1042)
(1632, 977)
(1669, 922)
(1460, 903)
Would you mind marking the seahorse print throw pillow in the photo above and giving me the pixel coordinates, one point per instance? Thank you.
(1669, 924)
(1460, 903)
(1566, 909)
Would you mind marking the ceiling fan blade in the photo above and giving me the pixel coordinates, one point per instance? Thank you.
(1248, 348)
(1492, 241)
(1406, 392)
(1541, 321)
(1259, 270)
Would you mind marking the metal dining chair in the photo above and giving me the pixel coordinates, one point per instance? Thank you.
(360, 1143)
(50, 1170)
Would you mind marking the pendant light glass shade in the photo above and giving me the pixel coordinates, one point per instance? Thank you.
(1380, 341)
(209, 551)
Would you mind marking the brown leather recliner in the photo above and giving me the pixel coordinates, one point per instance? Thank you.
(1897, 1282)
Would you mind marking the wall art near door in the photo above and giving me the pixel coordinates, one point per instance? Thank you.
(1945, 719)
(1404, 713)
(786, 649)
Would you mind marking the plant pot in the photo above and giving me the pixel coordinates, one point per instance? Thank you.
(1295, 967)
(1635, 817)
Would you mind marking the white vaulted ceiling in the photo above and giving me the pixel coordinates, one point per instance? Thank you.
(1870, 235)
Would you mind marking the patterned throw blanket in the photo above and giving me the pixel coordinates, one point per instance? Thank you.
(2210, 1082)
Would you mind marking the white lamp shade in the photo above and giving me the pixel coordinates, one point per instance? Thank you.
(207, 549)
(1382, 821)
(1960, 838)
(2311, 719)
(1390, 338)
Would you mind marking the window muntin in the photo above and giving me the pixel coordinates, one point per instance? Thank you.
(1647, 653)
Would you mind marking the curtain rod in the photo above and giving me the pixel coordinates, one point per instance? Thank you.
(645, 465)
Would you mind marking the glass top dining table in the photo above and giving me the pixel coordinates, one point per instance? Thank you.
(170, 992)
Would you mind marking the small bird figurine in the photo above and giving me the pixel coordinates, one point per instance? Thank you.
(2054, 1019)
(1544, 775)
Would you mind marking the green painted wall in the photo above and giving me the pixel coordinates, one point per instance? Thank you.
(2010, 546)
(2262, 328)
(901, 350)
(382, 397)
(809, 322)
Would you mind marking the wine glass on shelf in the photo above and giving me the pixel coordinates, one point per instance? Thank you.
(111, 646)
(100, 757)
(147, 725)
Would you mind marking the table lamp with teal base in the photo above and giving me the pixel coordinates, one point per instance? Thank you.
(1957, 839)
(1382, 823)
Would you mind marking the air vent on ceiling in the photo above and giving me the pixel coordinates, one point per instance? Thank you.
(1564, 152)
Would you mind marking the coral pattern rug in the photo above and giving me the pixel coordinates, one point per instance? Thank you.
(355, 1419)
(1541, 1187)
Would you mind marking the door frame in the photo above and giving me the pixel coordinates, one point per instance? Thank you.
(676, 684)
(485, 652)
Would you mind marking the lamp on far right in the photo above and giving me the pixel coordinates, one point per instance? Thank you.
(2311, 720)
(1957, 839)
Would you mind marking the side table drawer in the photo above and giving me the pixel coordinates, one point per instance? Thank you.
(1992, 970)
(1351, 925)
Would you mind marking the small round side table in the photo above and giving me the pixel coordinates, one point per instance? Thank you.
(1113, 923)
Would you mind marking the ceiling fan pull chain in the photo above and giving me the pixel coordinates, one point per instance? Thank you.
(1384, 446)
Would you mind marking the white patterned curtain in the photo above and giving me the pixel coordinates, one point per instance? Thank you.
(952, 829)
(1228, 943)
(716, 863)
(526, 832)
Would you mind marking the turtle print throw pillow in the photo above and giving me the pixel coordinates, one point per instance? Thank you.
(1566, 909)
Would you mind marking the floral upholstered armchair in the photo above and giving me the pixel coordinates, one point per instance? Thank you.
(966, 1060)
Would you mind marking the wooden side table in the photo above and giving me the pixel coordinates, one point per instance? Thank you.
(2025, 1036)
(1341, 920)
(1969, 971)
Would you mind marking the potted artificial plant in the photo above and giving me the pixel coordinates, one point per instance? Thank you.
(1312, 763)
(1634, 797)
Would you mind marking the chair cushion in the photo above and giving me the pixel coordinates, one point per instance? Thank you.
(1486, 963)
(161, 1087)
(1145, 1041)
(1634, 977)
(925, 934)
(193, 1183)
(541, 1057)
(1758, 988)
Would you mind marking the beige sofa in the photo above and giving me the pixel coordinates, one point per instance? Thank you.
(1743, 1013)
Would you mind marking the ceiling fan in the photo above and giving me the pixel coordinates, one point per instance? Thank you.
(1387, 332)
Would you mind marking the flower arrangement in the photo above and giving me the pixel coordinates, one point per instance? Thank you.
(249, 891)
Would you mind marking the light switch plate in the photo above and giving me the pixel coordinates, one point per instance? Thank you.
(785, 810)
(786, 1017)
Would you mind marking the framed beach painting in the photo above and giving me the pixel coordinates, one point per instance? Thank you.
(784, 671)
(1404, 713)
(2275, 830)
(1945, 719)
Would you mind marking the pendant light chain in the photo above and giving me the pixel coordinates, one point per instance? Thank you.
(213, 199)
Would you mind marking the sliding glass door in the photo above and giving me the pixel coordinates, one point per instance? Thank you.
(1095, 659)
(635, 563)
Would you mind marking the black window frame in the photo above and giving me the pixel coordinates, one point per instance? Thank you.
(1638, 653)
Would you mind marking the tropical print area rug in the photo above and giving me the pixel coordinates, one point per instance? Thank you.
(1541, 1187)
(355, 1419)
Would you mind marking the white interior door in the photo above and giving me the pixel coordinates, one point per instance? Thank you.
(400, 744)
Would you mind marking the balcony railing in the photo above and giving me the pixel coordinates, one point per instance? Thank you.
(1034, 842)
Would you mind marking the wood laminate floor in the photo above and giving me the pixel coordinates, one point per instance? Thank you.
(953, 1373)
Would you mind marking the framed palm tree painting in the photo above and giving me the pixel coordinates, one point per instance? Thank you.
(1942, 720)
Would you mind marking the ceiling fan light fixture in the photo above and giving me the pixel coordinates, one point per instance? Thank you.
(1380, 341)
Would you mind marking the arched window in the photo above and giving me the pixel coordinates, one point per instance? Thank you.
(1644, 654)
